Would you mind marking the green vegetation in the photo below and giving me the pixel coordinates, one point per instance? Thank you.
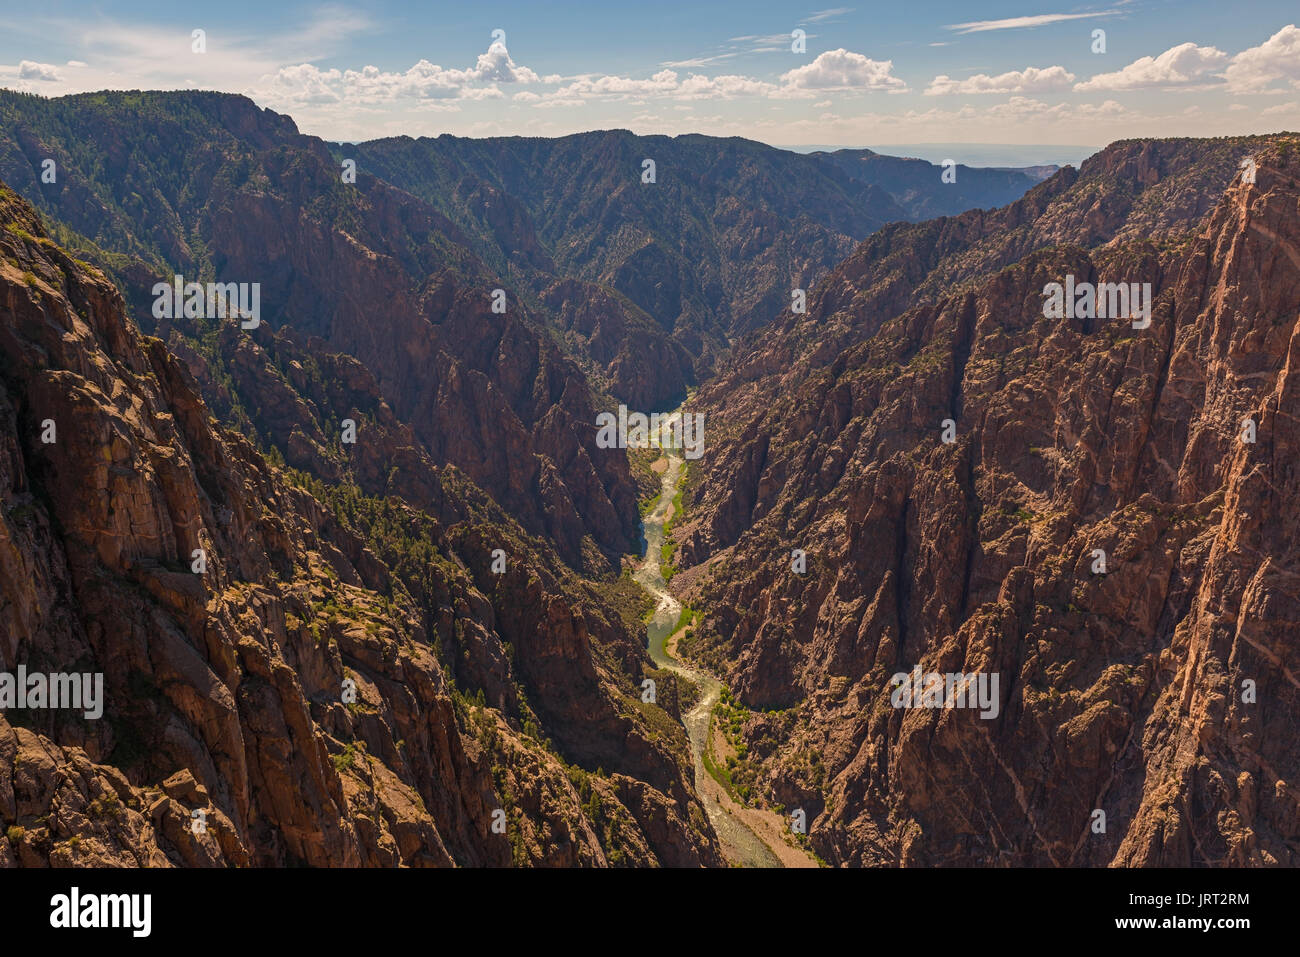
(633, 603)
(15, 833)
(666, 567)
(648, 482)
(107, 805)
(735, 772)
(346, 759)
(672, 687)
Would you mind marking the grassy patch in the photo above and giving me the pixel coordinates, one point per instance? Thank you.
(666, 566)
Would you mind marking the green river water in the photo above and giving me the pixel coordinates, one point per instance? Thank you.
(740, 845)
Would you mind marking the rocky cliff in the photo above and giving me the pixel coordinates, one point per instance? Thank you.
(709, 250)
(296, 670)
(370, 271)
(1158, 687)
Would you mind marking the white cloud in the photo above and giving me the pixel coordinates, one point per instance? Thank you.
(698, 61)
(832, 14)
(696, 87)
(1282, 109)
(1278, 58)
(306, 83)
(760, 42)
(1183, 65)
(665, 81)
(1021, 108)
(842, 70)
(495, 66)
(750, 43)
(835, 70)
(43, 72)
(1017, 23)
(1029, 80)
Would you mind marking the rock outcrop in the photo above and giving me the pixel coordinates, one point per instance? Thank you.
(295, 671)
(1158, 687)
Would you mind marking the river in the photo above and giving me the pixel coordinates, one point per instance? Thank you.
(740, 845)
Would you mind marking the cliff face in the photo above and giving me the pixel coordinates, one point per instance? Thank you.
(1161, 690)
(371, 271)
(226, 688)
(709, 250)
(911, 182)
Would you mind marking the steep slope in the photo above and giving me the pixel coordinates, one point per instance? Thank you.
(229, 733)
(211, 187)
(713, 245)
(1160, 689)
(1155, 189)
(911, 182)
(710, 250)
(644, 284)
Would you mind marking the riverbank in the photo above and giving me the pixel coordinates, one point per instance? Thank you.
(750, 837)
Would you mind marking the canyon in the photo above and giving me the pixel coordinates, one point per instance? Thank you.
(443, 615)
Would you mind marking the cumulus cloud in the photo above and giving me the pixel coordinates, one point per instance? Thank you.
(697, 87)
(1029, 80)
(836, 70)
(1020, 108)
(306, 83)
(842, 70)
(1183, 65)
(665, 83)
(1282, 109)
(496, 66)
(1277, 59)
(42, 72)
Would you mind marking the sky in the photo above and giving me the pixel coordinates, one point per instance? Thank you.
(872, 74)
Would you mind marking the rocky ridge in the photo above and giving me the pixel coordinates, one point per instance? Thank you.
(1161, 691)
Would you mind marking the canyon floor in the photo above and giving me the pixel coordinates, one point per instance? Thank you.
(750, 836)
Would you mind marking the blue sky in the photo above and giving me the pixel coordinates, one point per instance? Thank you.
(870, 73)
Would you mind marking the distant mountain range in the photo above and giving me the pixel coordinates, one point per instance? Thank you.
(643, 284)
